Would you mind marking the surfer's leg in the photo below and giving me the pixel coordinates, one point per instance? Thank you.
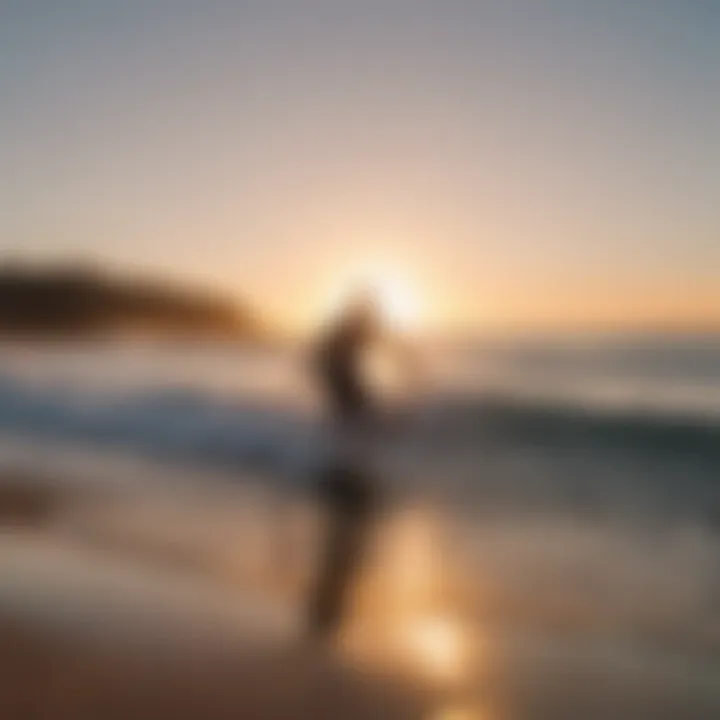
(328, 606)
(348, 499)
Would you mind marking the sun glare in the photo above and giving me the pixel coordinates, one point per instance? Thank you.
(398, 301)
(396, 296)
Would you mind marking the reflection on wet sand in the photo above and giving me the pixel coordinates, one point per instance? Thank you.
(114, 576)
(426, 625)
(439, 646)
(458, 712)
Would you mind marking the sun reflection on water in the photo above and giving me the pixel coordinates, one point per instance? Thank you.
(437, 644)
(458, 712)
(426, 630)
(407, 618)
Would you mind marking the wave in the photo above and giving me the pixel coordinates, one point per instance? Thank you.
(558, 422)
(171, 423)
(240, 432)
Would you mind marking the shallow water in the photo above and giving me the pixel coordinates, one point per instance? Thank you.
(553, 511)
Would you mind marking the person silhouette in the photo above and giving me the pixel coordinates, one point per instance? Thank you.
(347, 485)
(340, 356)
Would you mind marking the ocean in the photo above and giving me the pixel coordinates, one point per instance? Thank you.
(560, 496)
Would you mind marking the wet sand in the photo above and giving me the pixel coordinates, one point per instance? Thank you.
(87, 632)
(46, 675)
(94, 627)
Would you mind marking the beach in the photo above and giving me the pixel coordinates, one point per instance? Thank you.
(88, 630)
(547, 545)
(120, 624)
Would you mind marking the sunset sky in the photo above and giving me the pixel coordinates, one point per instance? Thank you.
(533, 162)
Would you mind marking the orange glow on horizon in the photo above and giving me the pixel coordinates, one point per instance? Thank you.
(514, 308)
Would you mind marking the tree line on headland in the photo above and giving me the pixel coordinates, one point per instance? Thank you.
(79, 301)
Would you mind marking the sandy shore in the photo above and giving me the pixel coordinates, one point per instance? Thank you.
(104, 616)
(89, 632)
(46, 675)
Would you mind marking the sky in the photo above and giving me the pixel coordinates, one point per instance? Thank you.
(514, 162)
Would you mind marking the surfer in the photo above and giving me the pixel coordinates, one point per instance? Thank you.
(347, 486)
(339, 361)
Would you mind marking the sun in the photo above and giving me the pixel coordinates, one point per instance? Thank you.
(396, 295)
(397, 300)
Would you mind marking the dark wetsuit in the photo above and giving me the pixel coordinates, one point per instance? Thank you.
(346, 488)
(339, 365)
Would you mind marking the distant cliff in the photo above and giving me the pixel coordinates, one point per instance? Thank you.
(82, 302)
